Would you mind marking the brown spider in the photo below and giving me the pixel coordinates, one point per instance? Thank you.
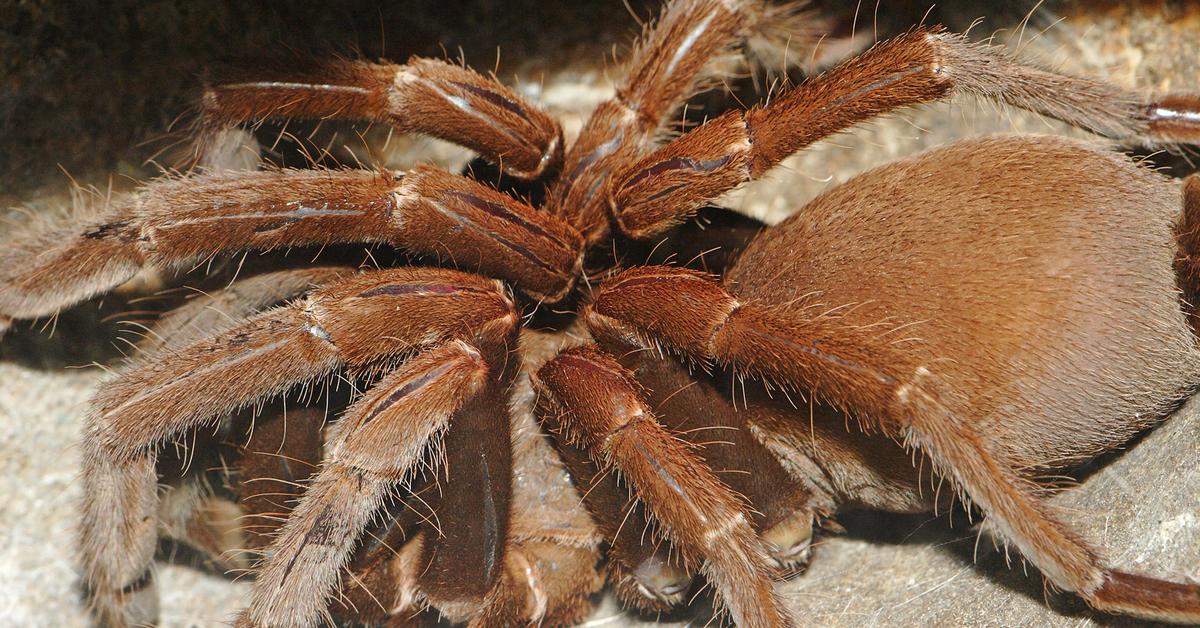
(1005, 306)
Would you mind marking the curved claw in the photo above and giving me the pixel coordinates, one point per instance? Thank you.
(789, 542)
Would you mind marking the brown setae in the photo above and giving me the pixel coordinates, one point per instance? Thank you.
(1001, 307)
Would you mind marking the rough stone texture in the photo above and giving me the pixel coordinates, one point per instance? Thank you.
(1142, 507)
(39, 462)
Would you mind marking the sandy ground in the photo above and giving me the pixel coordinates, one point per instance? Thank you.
(1142, 508)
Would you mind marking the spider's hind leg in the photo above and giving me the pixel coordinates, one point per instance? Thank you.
(843, 363)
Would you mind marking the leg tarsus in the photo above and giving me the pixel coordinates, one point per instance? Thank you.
(381, 579)
(1147, 598)
(546, 583)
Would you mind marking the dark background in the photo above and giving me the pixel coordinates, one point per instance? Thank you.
(94, 86)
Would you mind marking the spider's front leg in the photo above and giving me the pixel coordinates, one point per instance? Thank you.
(435, 98)
(669, 63)
(175, 222)
(925, 65)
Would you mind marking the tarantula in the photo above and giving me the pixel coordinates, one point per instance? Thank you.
(961, 303)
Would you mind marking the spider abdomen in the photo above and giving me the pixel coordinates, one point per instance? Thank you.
(1032, 275)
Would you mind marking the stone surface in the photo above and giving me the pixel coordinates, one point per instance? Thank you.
(1142, 510)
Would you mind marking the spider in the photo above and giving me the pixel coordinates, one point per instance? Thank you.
(961, 303)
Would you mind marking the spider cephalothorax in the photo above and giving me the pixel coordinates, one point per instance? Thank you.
(961, 301)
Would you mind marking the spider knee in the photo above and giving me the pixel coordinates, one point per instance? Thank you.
(905, 391)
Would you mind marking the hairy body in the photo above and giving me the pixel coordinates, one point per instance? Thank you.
(906, 351)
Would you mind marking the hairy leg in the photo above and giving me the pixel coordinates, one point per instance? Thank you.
(602, 409)
(365, 321)
(847, 365)
(688, 405)
(922, 66)
(556, 582)
(667, 64)
(227, 494)
(206, 314)
(176, 222)
(382, 441)
(186, 509)
(1187, 259)
(435, 98)
(263, 469)
(647, 571)
(380, 580)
